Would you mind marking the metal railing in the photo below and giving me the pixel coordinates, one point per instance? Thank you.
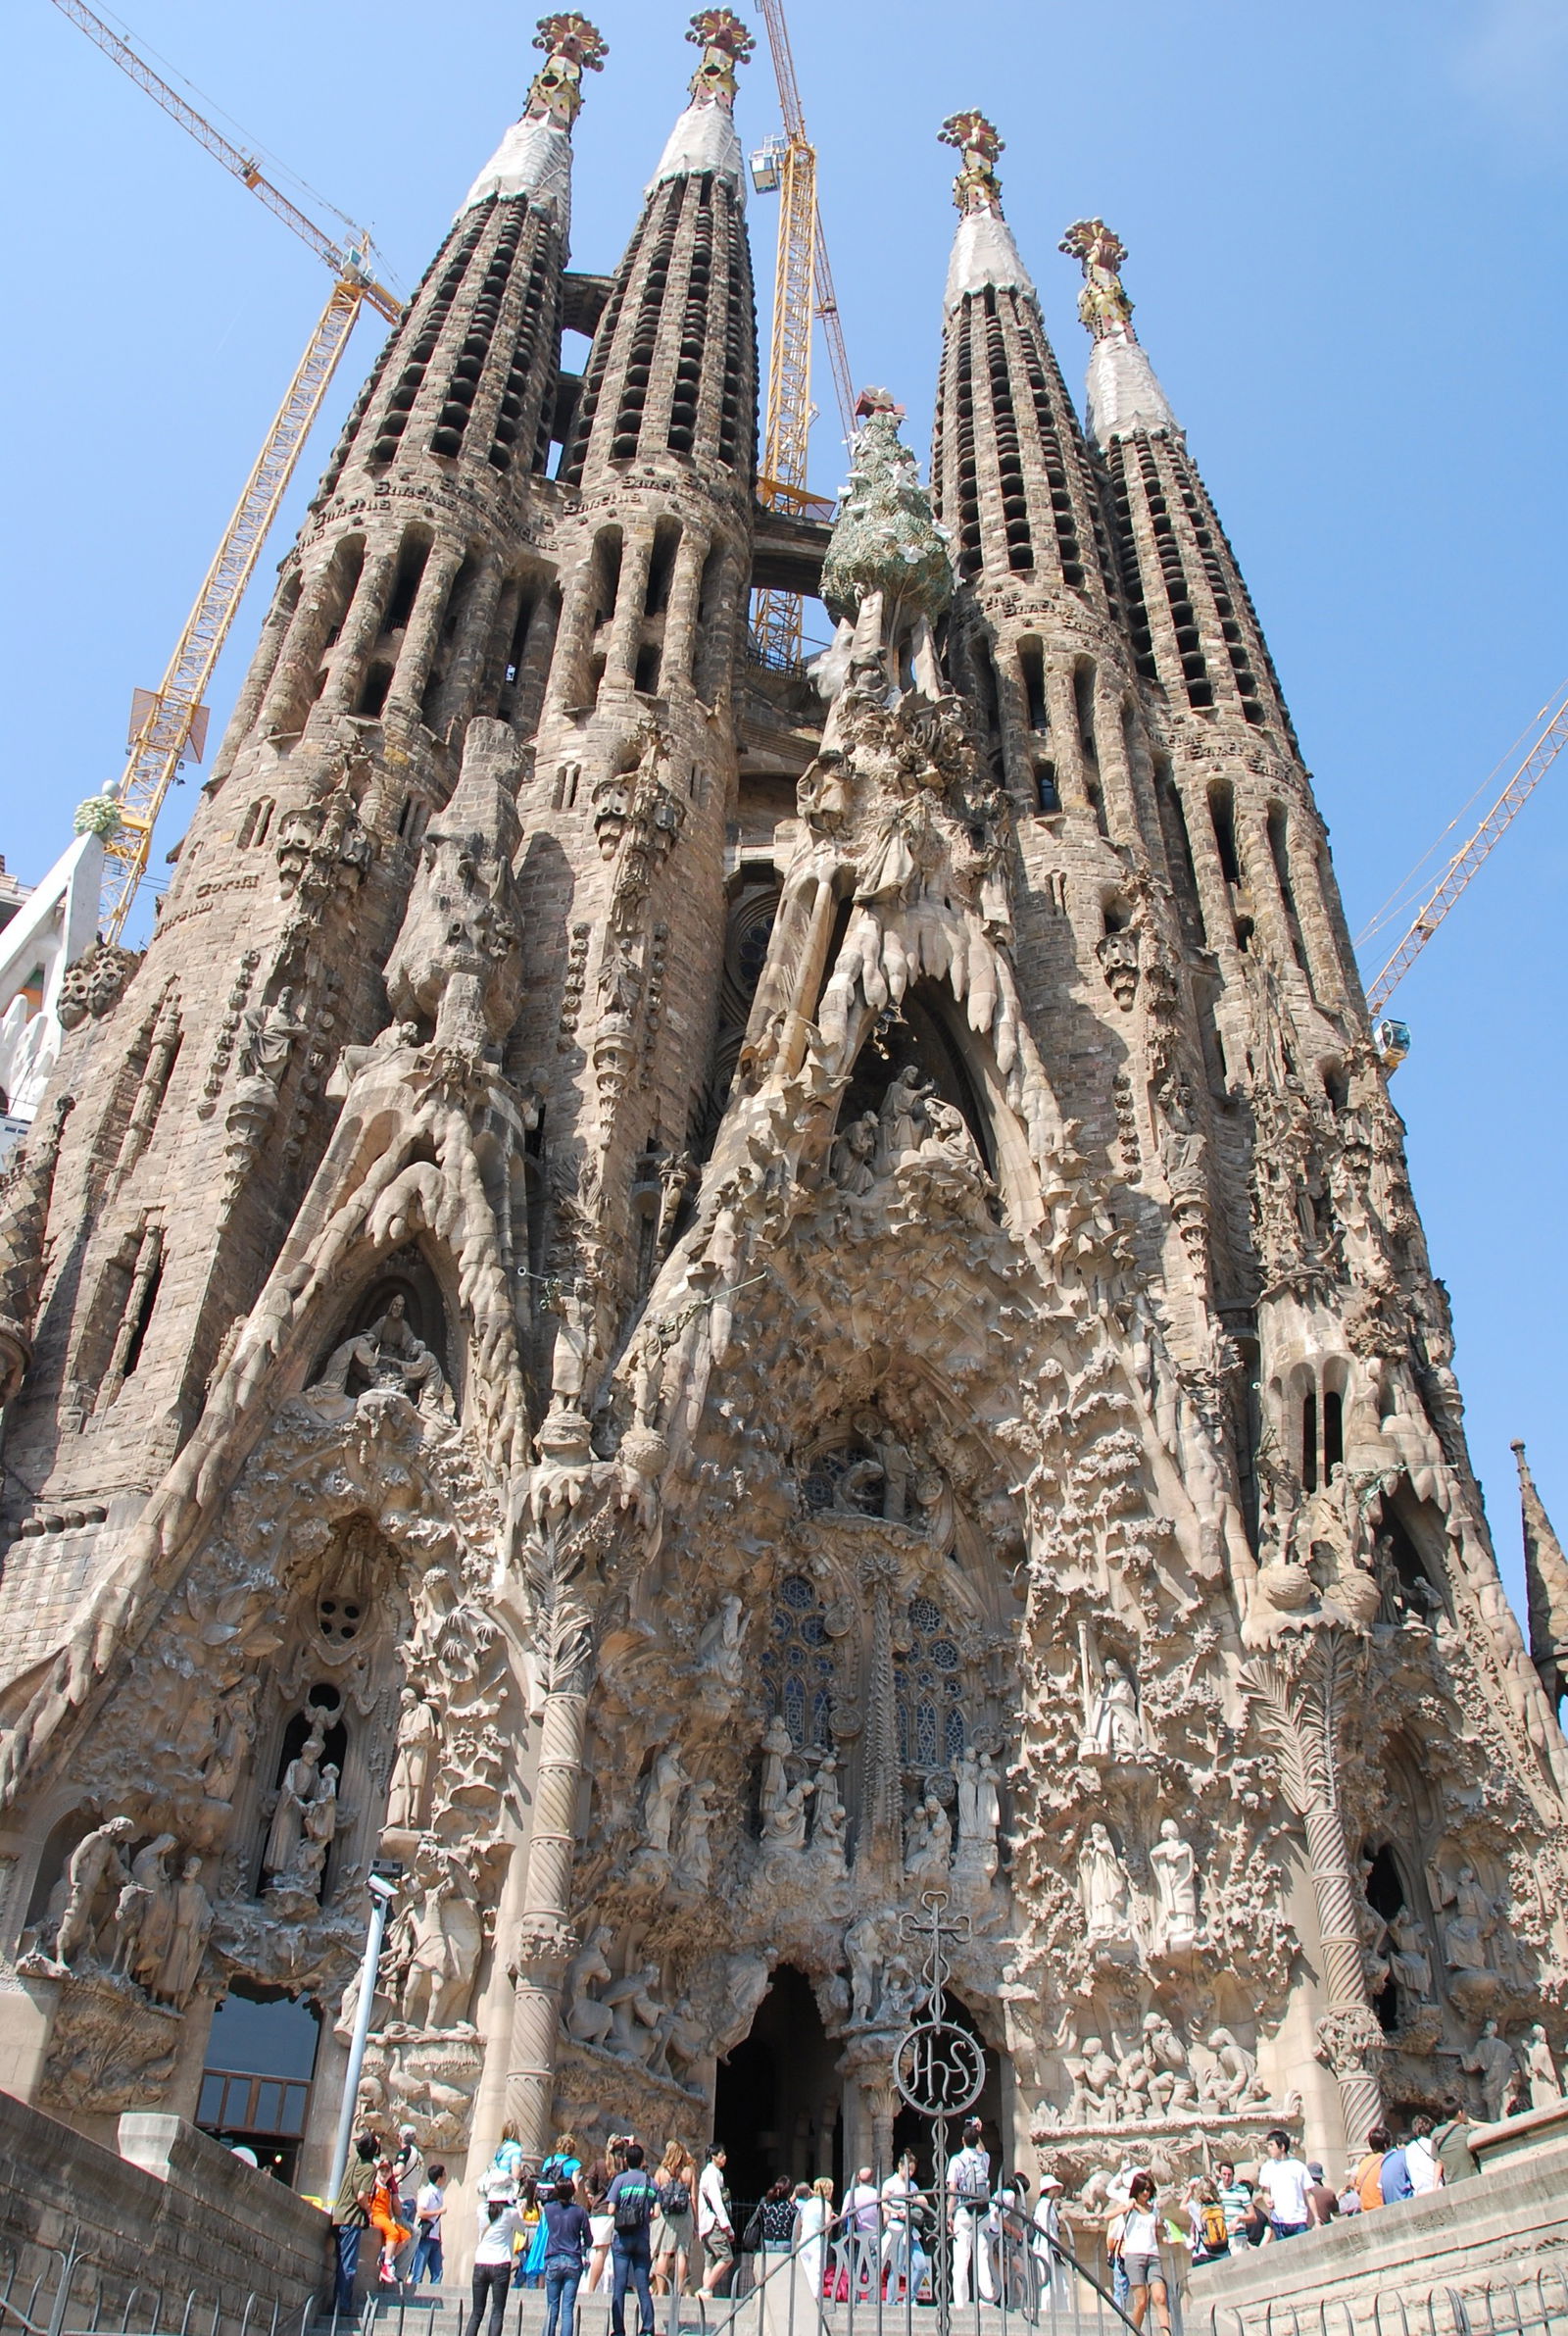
(75, 2294)
(1534, 2307)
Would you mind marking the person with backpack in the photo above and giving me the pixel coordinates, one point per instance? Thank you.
(1212, 2230)
(970, 2202)
(632, 2197)
(564, 2163)
(675, 2181)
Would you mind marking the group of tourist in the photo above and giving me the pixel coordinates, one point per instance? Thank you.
(615, 2221)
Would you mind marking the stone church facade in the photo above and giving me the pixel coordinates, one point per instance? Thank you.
(693, 1302)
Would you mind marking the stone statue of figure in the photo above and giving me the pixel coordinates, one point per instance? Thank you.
(266, 1040)
(1116, 1728)
(1106, 1890)
(777, 1745)
(143, 1911)
(423, 1380)
(587, 2018)
(930, 1844)
(862, 1944)
(293, 1794)
(989, 1812)
(853, 1160)
(1539, 2069)
(1175, 1869)
(966, 1777)
(446, 1937)
(634, 2001)
(784, 1825)
(695, 1860)
(233, 1733)
(190, 1921)
(1094, 2084)
(95, 1866)
(666, 1782)
(948, 1132)
(1231, 2080)
(895, 1461)
(1470, 1925)
(410, 1768)
(718, 1649)
(830, 1822)
(317, 1830)
(1409, 1963)
(573, 1306)
(1493, 2061)
(899, 1119)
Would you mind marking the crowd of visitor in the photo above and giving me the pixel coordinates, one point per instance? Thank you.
(614, 2224)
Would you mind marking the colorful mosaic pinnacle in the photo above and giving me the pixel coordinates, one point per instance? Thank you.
(726, 43)
(1103, 305)
(977, 185)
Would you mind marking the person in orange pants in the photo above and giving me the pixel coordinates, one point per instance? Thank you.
(385, 2206)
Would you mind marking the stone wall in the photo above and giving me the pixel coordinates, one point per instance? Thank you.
(1509, 2222)
(178, 2213)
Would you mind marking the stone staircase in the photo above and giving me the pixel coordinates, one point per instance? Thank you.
(443, 2311)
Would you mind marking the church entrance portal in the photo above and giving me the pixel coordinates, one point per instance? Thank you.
(778, 2106)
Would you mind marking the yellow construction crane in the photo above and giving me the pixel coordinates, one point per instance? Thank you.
(1551, 737)
(169, 721)
(803, 292)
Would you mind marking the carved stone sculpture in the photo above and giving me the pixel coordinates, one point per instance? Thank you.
(1114, 1729)
(1106, 1890)
(588, 2017)
(666, 1782)
(1539, 2069)
(300, 1779)
(411, 1768)
(95, 1868)
(1175, 1870)
(1493, 2061)
(190, 1922)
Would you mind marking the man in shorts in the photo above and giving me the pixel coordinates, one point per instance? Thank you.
(713, 2225)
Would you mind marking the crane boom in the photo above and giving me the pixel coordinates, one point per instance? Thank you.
(803, 292)
(163, 735)
(1548, 744)
(168, 715)
(243, 166)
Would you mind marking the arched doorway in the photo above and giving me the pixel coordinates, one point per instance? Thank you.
(912, 2132)
(778, 2100)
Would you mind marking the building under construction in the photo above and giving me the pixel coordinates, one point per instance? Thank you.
(685, 1301)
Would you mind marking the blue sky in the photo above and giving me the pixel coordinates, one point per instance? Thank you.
(1347, 236)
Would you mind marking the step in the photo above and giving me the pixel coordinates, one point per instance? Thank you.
(443, 2311)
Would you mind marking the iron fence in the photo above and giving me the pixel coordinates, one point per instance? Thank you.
(73, 2293)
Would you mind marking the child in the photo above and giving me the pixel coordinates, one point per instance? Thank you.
(385, 2207)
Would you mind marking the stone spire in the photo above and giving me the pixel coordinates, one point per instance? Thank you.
(706, 139)
(534, 158)
(683, 286)
(1546, 1584)
(983, 249)
(23, 1217)
(1123, 395)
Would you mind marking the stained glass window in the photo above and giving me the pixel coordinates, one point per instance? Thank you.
(932, 1728)
(798, 1663)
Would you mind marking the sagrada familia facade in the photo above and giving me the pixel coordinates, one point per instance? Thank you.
(693, 1302)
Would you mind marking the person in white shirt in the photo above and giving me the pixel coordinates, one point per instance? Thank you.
(1138, 2243)
(898, 2231)
(1420, 2157)
(1285, 2182)
(968, 2200)
(1046, 2222)
(492, 2263)
(713, 2225)
(863, 2223)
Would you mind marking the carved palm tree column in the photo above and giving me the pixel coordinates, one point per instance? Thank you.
(880, 1572)
(545, 1940)
(1300, 1715)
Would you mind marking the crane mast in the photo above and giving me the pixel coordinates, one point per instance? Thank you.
(170, 716)
(803, 292)
(1549, 742)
